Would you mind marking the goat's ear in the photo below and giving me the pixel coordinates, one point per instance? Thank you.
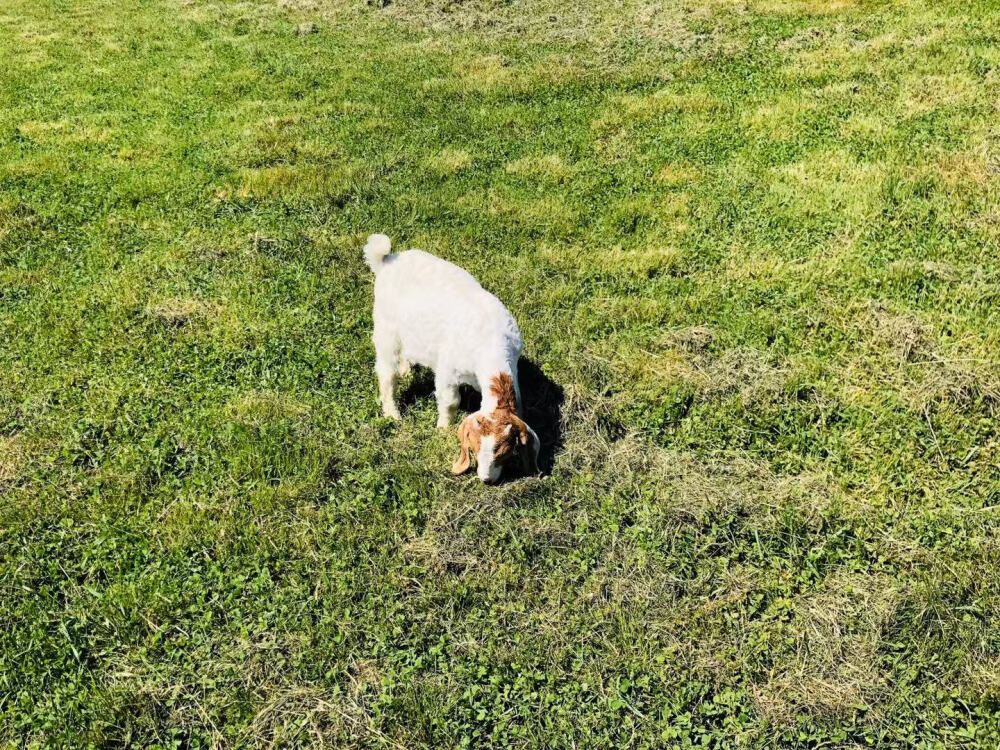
(530, 446)
(464, 459)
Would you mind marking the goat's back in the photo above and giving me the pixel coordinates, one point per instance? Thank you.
(434, 305)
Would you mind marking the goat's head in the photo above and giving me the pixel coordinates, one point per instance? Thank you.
(494, 441)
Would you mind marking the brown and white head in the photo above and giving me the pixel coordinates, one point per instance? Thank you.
(495, 441)
(497, 438)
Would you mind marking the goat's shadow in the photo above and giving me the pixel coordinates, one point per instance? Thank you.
(420, 385)
(542, 402)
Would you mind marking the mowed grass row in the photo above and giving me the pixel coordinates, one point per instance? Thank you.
(753, 251)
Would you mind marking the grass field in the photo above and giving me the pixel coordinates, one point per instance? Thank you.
(753, 248)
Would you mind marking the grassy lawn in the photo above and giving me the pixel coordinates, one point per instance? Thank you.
(753, 248)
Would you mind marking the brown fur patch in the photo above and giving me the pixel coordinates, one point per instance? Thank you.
(502, 389)
(506, 428)
(504, 424)
(469, 436)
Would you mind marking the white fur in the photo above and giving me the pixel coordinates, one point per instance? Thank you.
(487, 470)
(431, 312)
(377, 247)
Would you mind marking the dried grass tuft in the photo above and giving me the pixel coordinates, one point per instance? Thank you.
(13, 457)
(179, 311)
(833, 669)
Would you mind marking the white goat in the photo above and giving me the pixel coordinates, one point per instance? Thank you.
(432, 313)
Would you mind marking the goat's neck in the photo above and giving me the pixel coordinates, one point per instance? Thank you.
(499, 390)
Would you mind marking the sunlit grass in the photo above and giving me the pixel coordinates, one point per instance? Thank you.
(753, 252)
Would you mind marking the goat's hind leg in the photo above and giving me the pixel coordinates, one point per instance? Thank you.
(386, 367)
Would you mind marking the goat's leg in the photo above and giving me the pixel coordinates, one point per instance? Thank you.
(386, 367)
(446, 393)
(517, 391)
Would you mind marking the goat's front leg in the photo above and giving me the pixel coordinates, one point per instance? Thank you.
(446, 392)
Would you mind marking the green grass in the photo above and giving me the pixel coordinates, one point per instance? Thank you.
(753, 249)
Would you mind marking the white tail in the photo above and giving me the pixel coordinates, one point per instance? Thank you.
(377, 247)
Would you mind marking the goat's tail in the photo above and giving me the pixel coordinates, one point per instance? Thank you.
(377, 247)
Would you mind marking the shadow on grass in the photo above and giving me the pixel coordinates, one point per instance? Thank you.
(542, 405)
(420, 386)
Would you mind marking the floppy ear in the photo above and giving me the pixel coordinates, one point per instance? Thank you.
(530, 445)
(464, 460)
